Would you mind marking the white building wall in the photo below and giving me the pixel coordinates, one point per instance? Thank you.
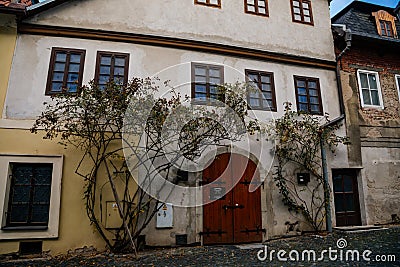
(183, 19)
(26, 92)
(25, 97)
(228, 25)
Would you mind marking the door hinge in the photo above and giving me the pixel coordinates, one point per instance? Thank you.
(208, 181)
(245, 182)
(237, 206)
(257, 230)
(207, 233)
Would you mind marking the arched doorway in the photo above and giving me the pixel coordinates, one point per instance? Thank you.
(235, 217)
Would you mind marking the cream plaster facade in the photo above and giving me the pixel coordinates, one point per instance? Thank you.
(184, 19)
(228, 25)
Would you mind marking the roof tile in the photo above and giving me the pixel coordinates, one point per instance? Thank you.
(21, 4)
(358, 17)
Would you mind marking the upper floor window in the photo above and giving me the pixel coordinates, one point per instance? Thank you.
(385, 24)
(111, 66)
(212, 3)
(206, 80)
(301, 11)
(256, 7)
(29, 198)
(261, 94)
(65, 71)
(386, 28)
(370, 89)
(308, 95)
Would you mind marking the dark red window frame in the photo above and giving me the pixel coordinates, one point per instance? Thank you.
(302, 11)
(208, 3)
(256, 8)
(112, 66)
(56, 69)
(207, 84)
(308, 93)
(261, 91)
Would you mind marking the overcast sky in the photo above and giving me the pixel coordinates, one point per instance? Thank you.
(337, 5)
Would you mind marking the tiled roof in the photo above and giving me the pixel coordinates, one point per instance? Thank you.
(358, 17)
(17, 5)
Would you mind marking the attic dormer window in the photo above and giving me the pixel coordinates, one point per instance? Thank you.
(386, 28)
(385, 24)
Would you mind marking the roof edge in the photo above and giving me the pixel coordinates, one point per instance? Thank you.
(42, 6)
(12, 8)
(355, 3)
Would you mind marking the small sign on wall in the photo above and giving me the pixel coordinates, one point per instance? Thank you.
(217, 193)
(165, 216)
(303, 178)
(113, 219)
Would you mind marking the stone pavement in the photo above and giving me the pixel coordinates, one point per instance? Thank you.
(383, 244)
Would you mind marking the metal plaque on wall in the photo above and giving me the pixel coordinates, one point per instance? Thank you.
(217, 193)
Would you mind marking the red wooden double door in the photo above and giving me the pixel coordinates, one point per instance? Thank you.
(234, 217)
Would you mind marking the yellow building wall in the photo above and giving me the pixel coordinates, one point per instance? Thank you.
(75, 230)
(8, 37)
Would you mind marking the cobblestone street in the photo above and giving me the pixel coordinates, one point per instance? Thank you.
(384, 244)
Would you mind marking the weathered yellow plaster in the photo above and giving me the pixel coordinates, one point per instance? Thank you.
(8, 37)
(75, 230)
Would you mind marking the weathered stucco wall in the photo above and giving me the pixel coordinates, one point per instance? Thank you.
(386, 62)
(75, 230)
(183, 19)
(147, 61)
(8, 38)
(174, 18)
(381, 175)
(24, 102)
(374, 132)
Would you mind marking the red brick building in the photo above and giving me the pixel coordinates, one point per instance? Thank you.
(370, 81)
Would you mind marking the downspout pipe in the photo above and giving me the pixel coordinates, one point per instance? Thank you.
(342, 30)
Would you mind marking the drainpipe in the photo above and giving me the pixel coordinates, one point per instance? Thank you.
(345, 32)
(327, 195)
(342, 30)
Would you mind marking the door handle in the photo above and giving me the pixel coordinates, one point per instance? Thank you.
(236, 206)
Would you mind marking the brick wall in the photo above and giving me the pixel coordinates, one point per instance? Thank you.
(386, 62)
(374, 133)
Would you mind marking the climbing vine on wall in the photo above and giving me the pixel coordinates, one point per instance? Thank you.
(298, 149)
(94, 122)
